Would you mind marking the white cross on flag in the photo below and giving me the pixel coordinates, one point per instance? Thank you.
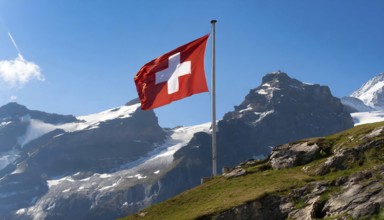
(173, 76)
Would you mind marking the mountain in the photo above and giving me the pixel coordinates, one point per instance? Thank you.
(16, 122)
(334, 177)
(77, 152)
(280, 110)
(118, 161)
(366, 103)
(368, 97)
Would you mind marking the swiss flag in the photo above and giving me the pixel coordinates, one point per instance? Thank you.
(173, 76)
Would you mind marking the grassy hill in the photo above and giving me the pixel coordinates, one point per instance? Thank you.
(346, 162)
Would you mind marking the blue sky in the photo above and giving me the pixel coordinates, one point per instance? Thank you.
(88, 51)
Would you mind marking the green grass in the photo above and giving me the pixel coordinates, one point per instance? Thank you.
(378, 216)
(220, 194)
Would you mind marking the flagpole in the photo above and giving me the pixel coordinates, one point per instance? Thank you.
(214, 159)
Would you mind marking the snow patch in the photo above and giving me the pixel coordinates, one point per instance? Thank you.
(263, 115)
(262, 92)
(5, 123)
(8, 158)
(108, 187)
(367, 117)
(104, 175)
(266, 85)
(85, 179)
(92, 121)
(139, 176)
(52, 206)
(268, 91)
(249, 108)
(56, 182)
(21, 211)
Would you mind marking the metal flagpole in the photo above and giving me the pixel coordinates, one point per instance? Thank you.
(214, 159)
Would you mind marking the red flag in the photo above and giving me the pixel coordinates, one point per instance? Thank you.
(173, 76)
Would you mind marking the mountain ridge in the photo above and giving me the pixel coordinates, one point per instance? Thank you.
(118, 161)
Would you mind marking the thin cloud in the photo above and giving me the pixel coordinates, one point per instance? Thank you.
(13, 98)
(19, 71)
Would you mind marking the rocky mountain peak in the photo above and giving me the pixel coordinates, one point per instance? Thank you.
(263, 98)
(12, 109)
(278, 79)
(281, 109)
(133, 101)
(372, 92)
(281, 94)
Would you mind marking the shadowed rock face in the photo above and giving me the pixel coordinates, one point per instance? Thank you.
(280, 110)
(114, 143)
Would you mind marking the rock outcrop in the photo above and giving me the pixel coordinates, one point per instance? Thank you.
(357, 195)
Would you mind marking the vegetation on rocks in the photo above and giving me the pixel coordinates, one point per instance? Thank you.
(340, 178)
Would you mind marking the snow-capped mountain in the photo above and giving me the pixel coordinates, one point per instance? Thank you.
(37, 152)
(116, 162)
(138, 180)
(22, 126)
(372, 92)
(366, 104)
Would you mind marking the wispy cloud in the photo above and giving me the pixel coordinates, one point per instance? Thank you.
(13, 98)
(19, 71)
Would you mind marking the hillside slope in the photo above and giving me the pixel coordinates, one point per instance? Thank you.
(336, 177)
